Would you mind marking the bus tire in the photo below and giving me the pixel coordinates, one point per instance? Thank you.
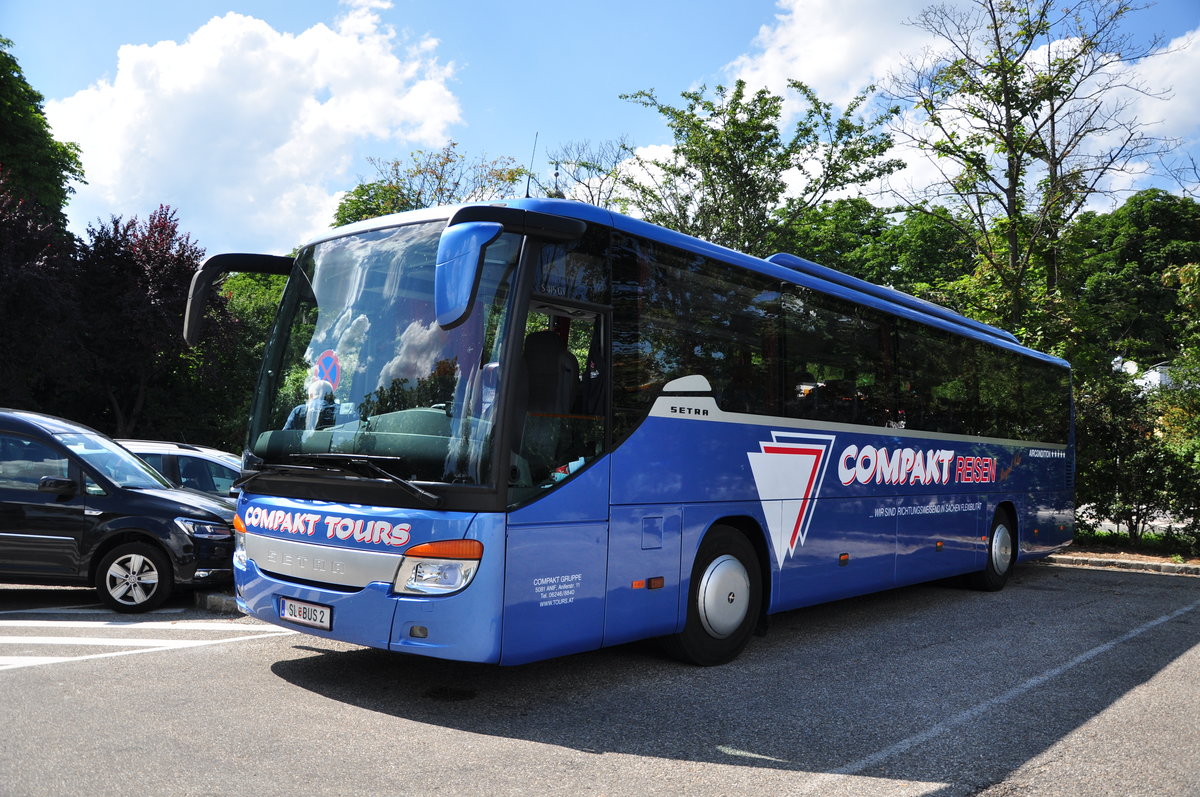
(1001, 555)
(135, 577)
(724, 600)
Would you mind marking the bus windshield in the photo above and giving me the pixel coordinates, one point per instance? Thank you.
(358, 369)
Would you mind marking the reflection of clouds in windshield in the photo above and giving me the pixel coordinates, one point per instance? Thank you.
(350, 342)
(351, 333)
(421, 347)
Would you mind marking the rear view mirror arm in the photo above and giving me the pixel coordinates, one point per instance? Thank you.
(207, 274)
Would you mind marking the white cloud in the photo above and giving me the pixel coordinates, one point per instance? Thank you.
(1174, 69)
(835, 50)
(250, 131)
(815, 42)
(838, 49)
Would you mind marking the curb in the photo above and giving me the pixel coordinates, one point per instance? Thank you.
(1166, 568)
(221, 602)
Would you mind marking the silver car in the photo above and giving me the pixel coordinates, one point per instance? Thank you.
(208, 470)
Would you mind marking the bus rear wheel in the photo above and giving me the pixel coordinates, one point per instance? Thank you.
(1001, 555)
(723, 601)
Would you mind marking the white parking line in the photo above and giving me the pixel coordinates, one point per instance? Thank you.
(187, 625)
(86, 608)
(823, 783)
(109, 642)
(28, 661)
(125, 645)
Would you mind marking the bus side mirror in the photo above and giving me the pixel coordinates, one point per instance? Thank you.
(459, 264)
(207, 274)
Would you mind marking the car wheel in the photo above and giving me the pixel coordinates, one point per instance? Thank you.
(135, 577)
(723, 601)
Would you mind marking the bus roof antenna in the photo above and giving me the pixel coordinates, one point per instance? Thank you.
(529, 174)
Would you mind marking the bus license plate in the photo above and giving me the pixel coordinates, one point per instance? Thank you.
(310, 614)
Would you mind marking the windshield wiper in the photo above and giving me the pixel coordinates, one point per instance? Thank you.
(348, 463)
(268, 470)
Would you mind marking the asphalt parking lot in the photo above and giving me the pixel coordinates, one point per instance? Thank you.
(1070, 681)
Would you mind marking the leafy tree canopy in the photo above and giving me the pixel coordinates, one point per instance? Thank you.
(734, 179)
(1024, 107)
(37, 292)
(136, 276)
(38, 167)
(1125, 278)
(428, 179)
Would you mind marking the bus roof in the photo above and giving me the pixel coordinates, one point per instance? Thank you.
(888, 294)
(782, 265)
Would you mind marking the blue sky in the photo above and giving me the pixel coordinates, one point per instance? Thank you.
(249, 118)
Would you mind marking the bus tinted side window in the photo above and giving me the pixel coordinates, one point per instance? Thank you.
(847, 363)
(804, 354)
(1026, 399)
(677, 313)
(936, 371)
(838, 359)
(958, 385)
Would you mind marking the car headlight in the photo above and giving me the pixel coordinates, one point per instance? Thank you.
(438, 568)
(203, 529)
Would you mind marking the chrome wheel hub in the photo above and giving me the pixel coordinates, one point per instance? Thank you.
(132, 579)
(723, 597)
(1002, 549)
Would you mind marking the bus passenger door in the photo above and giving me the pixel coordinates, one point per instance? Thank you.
(643, 573)
(555, 562)
(557, 548)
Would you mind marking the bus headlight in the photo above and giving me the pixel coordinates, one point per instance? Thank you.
(438, 568)
(239, 541)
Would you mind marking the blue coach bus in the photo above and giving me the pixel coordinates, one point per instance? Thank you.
(509, 431)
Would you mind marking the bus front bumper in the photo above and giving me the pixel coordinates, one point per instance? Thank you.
(462, 627)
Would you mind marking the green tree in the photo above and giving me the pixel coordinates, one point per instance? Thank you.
(1131, 278)
(37, 167)
(1125, 470)
(591, 173)
(38, 304)
(1179, 400)
(1125, 279)
(850, 235)
(369, 201)
(241, 314)
(254, 299)
(932, 253)
(428, 179)
(134, 278)
(1025, 111)
(734, 179)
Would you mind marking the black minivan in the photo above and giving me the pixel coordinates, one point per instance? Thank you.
(77, 508)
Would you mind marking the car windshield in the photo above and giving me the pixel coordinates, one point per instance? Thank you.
(114, 462)
(359, 369)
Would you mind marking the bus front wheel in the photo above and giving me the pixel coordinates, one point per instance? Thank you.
(723, 601)
(1001, 555)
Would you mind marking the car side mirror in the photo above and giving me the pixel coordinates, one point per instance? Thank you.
(53, 484)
